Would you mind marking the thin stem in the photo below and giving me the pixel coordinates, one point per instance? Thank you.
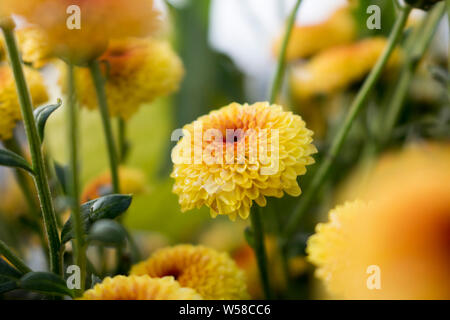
(260, 249)
(122, 125)
(339, 139)
(99, 83)
(11, 257)
(279, 75)
(415, 50)
(37, 158)
(74, 184)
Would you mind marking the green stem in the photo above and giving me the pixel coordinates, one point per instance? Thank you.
(99, 83)
(415, 50)
(279, 75)
(339, 139)
(74, 183)
(260, 249)
(11, 257)
(276, 86)
(122, 126)
(37, 159)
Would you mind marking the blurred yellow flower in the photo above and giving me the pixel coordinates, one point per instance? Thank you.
(34, 46)
(212, 274)
(9, 102)
(255, 151)
(137, 71)
(132, 181)
(13, 204)
(337, 68)
(79, 31)
(140, 288)
(400, 242)
(306, 41)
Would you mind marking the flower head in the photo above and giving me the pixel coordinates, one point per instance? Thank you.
(9, 102)
(337, 68)
(138, 71)
(240, 154)
(212, 274)
(79, 30)
(34, 46)
(140, 288)
(132, 181)
(306, 41)
(403, 233)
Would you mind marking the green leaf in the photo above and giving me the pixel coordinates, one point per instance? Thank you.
(42, 114)
(108, 233)
(8, 285)
(61, 174)
(107, 207)
(11, 159)
(8, 271)
(45, 282)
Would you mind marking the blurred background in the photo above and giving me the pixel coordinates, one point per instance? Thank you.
(229, 49)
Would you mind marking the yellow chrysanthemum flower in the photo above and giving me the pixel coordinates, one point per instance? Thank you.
(140, 288)
(337, 68)
(9, 101)
(79, 31)
(138, 71)
(213, 275)
(396, 247)
(306, 41)
(34, 46)
(132, 181)
(240, 154)
(328, 248)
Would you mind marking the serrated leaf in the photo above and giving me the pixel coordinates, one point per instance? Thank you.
(45, 282)
(13, 160)
(107, 207)
(108, 233)
(61, 174)
(42, 114)
(8, 271)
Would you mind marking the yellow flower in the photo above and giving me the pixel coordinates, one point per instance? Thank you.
(140, 288)
(337, 68)
(132, 181)
(34, 46)
(212, 274)
(9, 101)
(240, 154)
(306, 41)
(399, 243)
(138, 72)
(83, 34)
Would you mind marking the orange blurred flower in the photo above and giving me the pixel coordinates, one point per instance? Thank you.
(99, 21)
